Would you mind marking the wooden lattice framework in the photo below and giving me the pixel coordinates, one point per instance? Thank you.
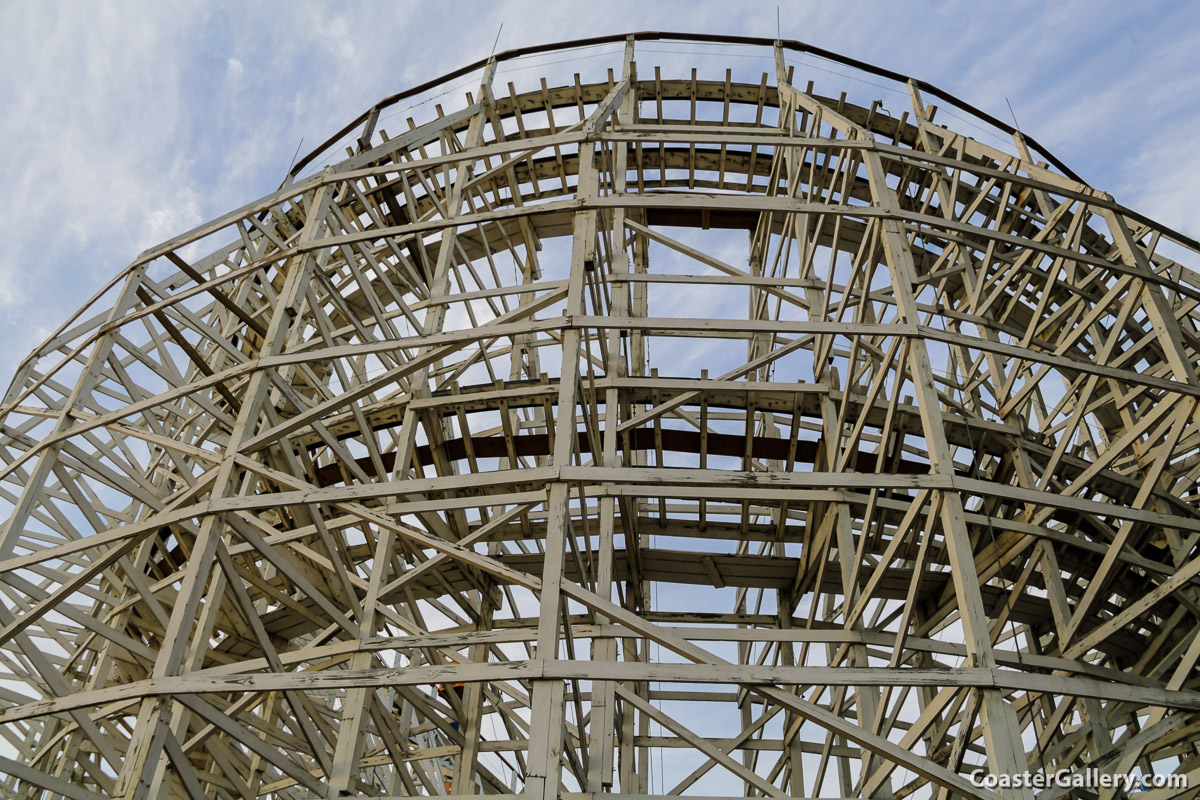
(645, 434)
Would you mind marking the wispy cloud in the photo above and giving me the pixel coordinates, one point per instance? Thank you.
(127, 123)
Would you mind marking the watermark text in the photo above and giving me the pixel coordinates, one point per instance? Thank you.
(1083, 779)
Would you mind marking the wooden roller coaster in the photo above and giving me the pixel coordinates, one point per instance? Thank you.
(662, 429)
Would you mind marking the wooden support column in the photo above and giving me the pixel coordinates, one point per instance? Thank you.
(546, 737)
(945, 503)
(602, 718)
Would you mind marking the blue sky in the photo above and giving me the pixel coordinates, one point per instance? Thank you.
(125, 124)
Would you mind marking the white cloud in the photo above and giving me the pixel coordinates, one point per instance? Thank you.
(125, 124)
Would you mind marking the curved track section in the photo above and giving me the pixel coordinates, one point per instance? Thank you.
(653, 431)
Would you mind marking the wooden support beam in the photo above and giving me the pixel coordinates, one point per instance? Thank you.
(630, 410)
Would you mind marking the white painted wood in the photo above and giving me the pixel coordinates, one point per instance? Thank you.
(398, 492)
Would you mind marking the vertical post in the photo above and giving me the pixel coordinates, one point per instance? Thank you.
(546, 736)
(602, 717)
(546, 729)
